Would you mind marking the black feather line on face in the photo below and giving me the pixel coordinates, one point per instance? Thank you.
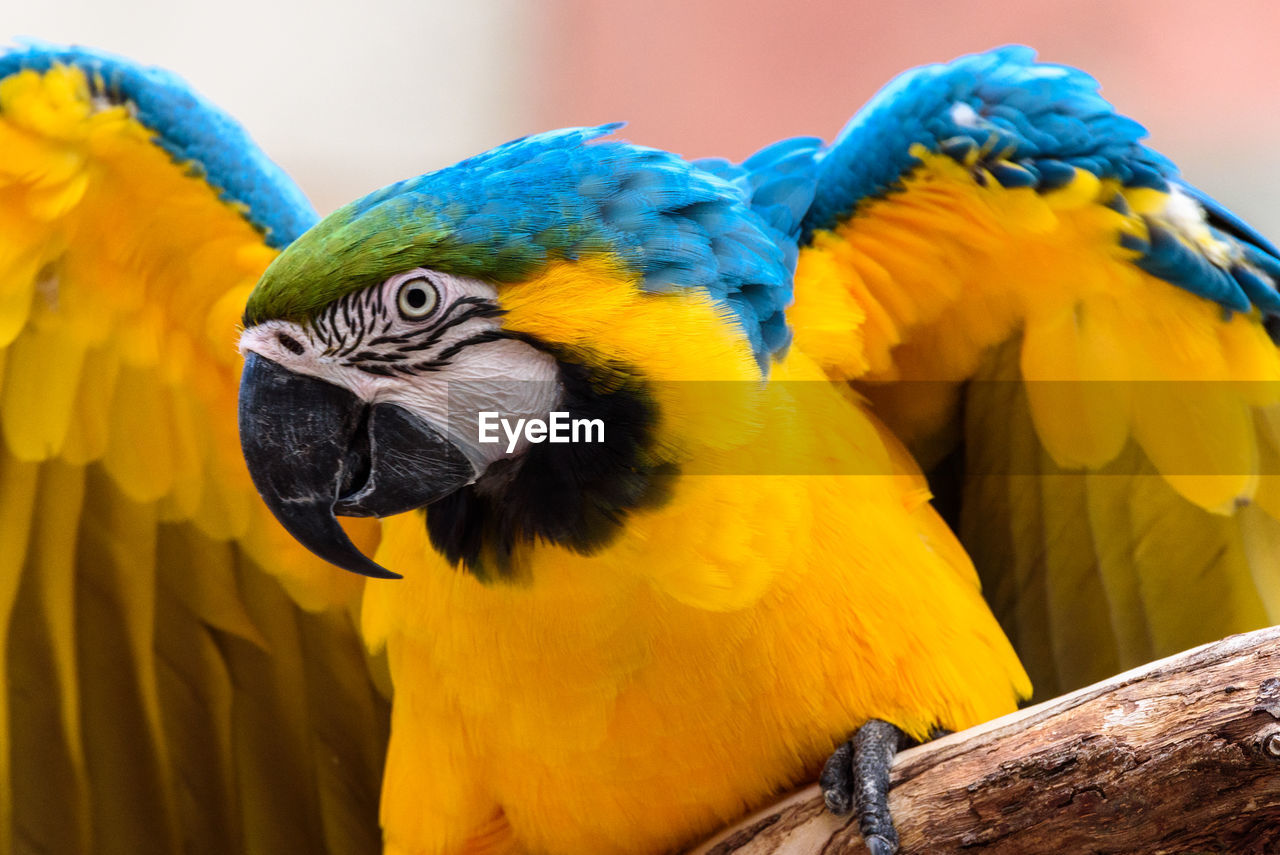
(347, 322)
(376, 356)
(482, 337)
(576, 495)
(388, 339)
(425, 365)
(481, 308)
(364, 314)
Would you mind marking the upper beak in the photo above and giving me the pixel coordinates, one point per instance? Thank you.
(315, 450)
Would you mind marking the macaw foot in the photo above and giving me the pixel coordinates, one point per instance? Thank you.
(857, 776)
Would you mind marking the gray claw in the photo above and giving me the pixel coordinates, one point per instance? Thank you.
(837, 780)
(840, 804)
(878, 845)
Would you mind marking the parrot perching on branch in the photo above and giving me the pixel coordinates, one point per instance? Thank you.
(648, 632)
(619, 646)
(613, 646)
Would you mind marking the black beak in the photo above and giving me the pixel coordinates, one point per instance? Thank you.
(315, 450)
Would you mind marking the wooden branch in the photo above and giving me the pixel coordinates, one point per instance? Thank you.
(1182, 755)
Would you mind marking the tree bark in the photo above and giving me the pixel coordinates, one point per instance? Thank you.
(1181, 755)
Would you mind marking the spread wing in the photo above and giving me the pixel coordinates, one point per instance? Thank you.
(1074, 339)
(181, 676)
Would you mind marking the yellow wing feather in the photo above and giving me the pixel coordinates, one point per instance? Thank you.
(1114, 425)
(165, 692)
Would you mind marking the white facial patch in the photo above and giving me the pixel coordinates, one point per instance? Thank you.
(446, 366)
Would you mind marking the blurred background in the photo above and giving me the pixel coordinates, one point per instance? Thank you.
(348, 100)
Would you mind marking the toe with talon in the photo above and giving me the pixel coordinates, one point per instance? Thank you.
(856, 775)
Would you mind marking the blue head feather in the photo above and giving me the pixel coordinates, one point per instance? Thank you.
(504, 214)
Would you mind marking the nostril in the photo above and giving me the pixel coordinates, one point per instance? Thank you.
(290, 344)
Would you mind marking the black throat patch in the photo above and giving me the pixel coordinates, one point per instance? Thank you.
(577, 494)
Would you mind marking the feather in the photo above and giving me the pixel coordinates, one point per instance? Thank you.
(18, 481)
(134, 660)
(45, 365)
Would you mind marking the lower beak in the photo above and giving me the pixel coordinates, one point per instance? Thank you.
(315, 450)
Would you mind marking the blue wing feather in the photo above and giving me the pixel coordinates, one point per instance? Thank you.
(568, 193)
(1039, 115)
(1032, 125)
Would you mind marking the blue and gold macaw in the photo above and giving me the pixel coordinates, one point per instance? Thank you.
(615, 646)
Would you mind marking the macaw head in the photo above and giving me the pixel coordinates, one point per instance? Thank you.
(390, 349)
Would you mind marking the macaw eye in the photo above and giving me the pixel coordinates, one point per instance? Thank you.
(418, 298)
